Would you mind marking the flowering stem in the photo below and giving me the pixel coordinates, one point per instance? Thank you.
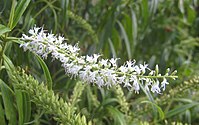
(92, 69)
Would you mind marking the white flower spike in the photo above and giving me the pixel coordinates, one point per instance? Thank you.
(93, 69)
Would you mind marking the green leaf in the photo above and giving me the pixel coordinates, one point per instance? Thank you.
(4, 29)
(19, 101)
(116, 40)
(8, 101)
(22, 99)
(191, 14)
(23, 106)
(134, 27)
(12, 13)
(116, 115)
(180, 109)
(145, 12)
(105, 103)
(46, 72)
(161, 113)
(2, 118)
(126, 40)
(127, 24)
(112, 48)
(9, 65)
(18, 12)
(108, 101)
(150, 98)
(27, 107)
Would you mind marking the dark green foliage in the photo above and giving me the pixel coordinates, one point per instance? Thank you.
(46, 99)
(163, 32)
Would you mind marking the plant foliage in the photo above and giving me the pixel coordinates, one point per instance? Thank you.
(36, 90)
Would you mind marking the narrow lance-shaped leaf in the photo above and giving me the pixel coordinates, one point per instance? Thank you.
(46, 72)
(126, 40)
(22, 99)
(134, 27)
(20, 8)
(119, 118)
(180, 109)
(8, 100)
(112, 48)
(12, 13)
(145, 12)
(161, 113)
(3, 29)
(2, 118)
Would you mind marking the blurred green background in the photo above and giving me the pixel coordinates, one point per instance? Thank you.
(163, 32)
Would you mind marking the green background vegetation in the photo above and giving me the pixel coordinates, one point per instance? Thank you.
(163, 32)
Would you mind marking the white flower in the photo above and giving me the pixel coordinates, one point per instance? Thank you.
(155, 87)
(130, 65)
(147, 84)
(63, 46)
(83, 75)
(127, 84)
(95, 57)
(123, 69)
(51, 48)
(62, 58)
(59, 40)
(99, 81)
(104, 62)
(143, 68)
(91, 69)
(25, 37)
(89, 59)
(136, 85)
(137, 69)
(92, 76)
(51, 38)
(92, 59)
(108, 84)
(34, 31)
(74, 69)
(25, 46)
(55, 54)
(113, 62)
(81, 61)
(73, 49)
(152, 73)
(164, 83)
(121, 79)
(112, 78)
(87, 68)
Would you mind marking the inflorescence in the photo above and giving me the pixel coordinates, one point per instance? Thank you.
(94, 69)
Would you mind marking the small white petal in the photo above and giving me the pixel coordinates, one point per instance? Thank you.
(113, 62)
(164, 83)
(143, 68)
(104, 62)
(155, 87)
(137, 69)
(95, 57)
(123, 69)
(99, 81)
(89, 59)
(121, 79)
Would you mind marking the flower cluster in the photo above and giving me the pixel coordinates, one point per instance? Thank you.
(93, 68)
